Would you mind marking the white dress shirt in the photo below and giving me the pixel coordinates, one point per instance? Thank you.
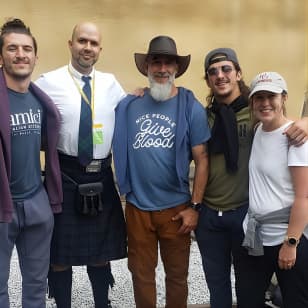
(63, 86)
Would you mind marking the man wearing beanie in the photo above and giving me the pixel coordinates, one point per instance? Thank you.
(219, 232)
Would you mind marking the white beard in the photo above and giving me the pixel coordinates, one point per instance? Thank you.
(161, 91)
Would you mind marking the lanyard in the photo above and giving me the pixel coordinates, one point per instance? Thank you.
(82, 93)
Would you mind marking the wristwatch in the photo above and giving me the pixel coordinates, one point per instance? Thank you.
(196, 206)
(291, 241)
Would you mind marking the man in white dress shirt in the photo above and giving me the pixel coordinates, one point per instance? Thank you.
(91, 229)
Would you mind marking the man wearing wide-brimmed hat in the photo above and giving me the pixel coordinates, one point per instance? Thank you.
(156, 136)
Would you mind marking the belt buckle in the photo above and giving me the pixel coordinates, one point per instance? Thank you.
(94, 166)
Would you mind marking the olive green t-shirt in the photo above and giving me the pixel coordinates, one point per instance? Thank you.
(227, 191)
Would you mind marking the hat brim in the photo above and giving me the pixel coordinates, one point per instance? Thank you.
(265, 87)
(182, 61)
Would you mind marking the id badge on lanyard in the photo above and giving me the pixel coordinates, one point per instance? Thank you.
(98, 134)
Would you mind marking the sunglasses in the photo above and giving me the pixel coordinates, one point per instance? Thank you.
(214, 71)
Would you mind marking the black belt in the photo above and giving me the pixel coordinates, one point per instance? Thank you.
(220, 212)
(96, 165)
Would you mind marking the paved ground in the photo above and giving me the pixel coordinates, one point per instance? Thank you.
(122, 293)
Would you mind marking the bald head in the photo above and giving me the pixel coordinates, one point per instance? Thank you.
(85, 46)
(86, 26)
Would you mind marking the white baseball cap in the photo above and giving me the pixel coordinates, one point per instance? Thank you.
(268, 81)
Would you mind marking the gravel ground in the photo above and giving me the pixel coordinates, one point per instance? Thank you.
(122, 293)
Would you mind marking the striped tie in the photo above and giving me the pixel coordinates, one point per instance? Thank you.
(85, 140)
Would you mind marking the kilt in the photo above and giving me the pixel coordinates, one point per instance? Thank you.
(83, 240)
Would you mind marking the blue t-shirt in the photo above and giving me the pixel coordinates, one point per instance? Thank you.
(151, 151)
(25, 121)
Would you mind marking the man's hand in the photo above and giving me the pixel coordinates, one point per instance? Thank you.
(139, 91)
(298, 132)
(189, 220)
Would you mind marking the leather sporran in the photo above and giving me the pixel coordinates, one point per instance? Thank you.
(89, 199)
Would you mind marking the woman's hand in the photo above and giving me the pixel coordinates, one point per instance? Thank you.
(287, 256)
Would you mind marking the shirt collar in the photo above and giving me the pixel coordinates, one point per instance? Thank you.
(76, 74)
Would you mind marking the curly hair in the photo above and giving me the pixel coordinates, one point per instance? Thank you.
(15, 25)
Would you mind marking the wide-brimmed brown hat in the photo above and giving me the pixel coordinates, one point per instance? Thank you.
(162, 45)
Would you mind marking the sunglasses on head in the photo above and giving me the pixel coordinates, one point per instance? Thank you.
(214, 71)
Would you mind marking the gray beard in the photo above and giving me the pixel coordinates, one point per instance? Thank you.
(161, 92)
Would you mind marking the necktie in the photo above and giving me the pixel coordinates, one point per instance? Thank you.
(85, 140)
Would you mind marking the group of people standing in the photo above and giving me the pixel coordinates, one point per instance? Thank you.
(248, 203)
